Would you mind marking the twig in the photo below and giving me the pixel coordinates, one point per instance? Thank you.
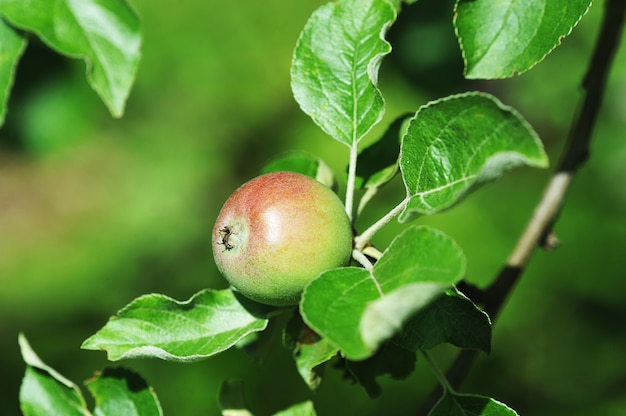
(548, 210)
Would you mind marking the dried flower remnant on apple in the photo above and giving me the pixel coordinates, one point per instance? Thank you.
(278, 232)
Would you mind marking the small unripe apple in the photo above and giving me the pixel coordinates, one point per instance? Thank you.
(278, 232)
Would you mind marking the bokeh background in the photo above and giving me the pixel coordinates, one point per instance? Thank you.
(96, 211)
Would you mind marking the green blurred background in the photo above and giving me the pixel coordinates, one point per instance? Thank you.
(95, 211)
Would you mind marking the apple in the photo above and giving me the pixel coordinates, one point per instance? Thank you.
(278, 232)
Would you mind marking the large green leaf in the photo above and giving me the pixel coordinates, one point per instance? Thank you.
(358, 309)
(12, 45)
(105, 33)
(118, 391)
(157, 326)
(453, 404)
(334, 73)
(457, 143)
(44, 391)
(502, 38)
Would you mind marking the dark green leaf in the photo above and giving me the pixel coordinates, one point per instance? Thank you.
(304, 163)
(157, 326)
(378, 163)
(455, 144)
(231, 399)
(503, 38)
(451, 318)
(122, 392)
(12, 45)
(358, 309)
(44, 391)
(452, 404)
(309, 350)
(389, 359)
(105, 33)
(334, 73)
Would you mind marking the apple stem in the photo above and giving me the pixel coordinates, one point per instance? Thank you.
(361, 240)
(362, 259)
(351, 181)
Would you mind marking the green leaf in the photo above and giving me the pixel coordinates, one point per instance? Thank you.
(122, 392)
(104, 33)
(309, 350)
(334, 73)
(157, 326)
(452, 404)
(12, 45)
(304, 163)
(504, 38)
(333, 303)
(389, 359)
(358, 309)
(300, 409)
(451, 318)
(455, 144)
(231, 399)
(44, 391)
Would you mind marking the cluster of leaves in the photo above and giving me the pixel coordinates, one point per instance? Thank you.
(378, 314)
(105, 34)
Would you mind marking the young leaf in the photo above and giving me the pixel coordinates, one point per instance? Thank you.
(451, 318)
(103, 33)
(455, 144)
(304, 163)
(453, 404)
(157, 326)
(358, 309)
(334, 73)
(309, 350)
(122, 392)
(44, 391)
(504, 38)
(12, 45)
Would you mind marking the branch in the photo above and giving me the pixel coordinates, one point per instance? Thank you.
(538, 232)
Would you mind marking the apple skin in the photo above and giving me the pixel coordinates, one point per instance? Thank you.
(278, 232)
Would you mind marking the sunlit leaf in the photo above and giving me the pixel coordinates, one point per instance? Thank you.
(157, 326)
(334, 73)
(119, 391)
(105, 33)
(44, 391)
(455, 144)
(451, 318)
(502, 38)
(452, 404)
(358, 309)
(12, 45)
